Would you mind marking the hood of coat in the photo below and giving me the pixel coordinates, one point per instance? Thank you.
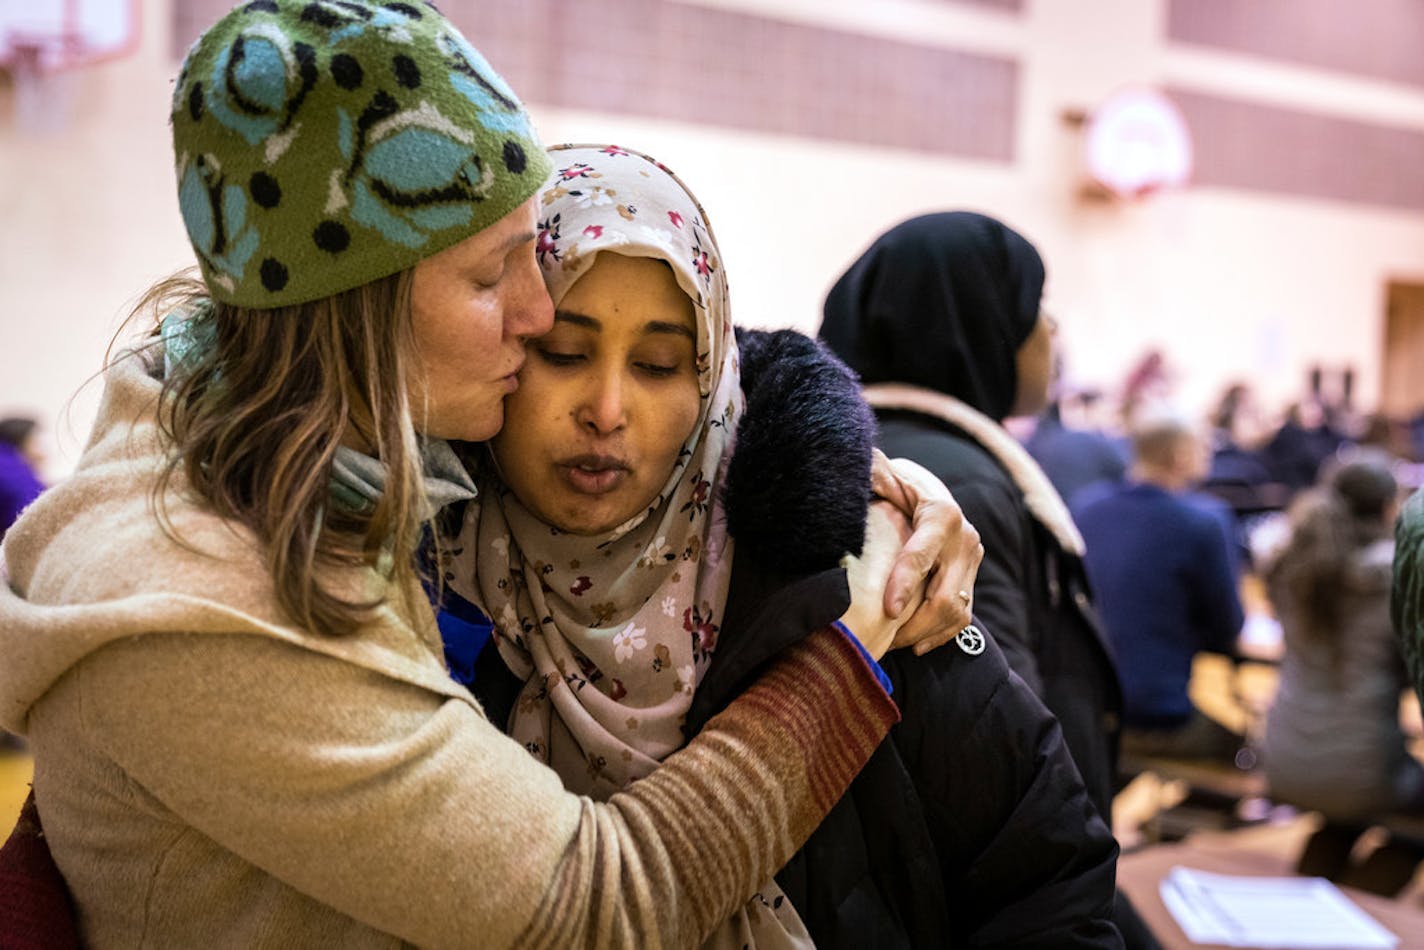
(798, 484)
(797, 494)
(942, 301)
(1040, 497)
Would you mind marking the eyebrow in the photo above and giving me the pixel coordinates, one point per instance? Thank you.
(652, 326)
(516, 240)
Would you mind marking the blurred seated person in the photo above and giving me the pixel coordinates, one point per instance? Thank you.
(1073, 457)
(1147, 388)
(1301, 445)
(1238, 473)
(19, 463)
(1164, 577)
(1390, 436)
(1333, 738)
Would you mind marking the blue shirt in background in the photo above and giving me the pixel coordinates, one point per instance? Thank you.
(1164, 581)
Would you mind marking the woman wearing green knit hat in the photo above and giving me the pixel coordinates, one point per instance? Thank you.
(215, 633)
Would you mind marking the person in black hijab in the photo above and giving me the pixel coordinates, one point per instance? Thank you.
(942, 301)
(941, 319)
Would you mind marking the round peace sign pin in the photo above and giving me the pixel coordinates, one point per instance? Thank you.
(970, 640)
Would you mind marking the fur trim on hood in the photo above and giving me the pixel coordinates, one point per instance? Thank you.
(1040, 497)
(798, 485)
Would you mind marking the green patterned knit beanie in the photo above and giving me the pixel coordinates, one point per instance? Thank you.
(323, 145)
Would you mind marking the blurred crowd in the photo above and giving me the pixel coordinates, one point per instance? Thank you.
(1257, 459)
(1182, 516)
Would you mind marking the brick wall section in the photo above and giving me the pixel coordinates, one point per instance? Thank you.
(1015, 6)
(1382, 39)
(724, 68)
(1247, 145)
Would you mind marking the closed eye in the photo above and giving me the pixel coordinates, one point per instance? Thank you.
(554, 358)
(488, 281)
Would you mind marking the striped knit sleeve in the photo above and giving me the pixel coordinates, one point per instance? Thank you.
(655, 865)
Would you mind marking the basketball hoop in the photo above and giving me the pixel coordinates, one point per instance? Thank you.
(1137, 144)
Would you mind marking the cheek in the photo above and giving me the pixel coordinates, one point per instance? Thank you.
(1045, 359)
(531, 420)
(680, 415)
(433, 330)
(538, 397)
(514, 444)
(1034, 362)
(518, 404)
(454, 330)
(427, 304)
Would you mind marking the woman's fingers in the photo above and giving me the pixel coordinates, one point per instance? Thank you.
(885, 532)
(949, 602)
(942, 555)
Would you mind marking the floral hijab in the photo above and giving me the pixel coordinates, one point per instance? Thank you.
(613, 634)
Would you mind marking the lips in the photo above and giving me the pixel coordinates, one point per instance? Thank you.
(511, 379)
(593, 474)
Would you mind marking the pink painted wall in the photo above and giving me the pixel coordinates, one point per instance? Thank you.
(806, 127)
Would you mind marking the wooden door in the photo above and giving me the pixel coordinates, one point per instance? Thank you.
(1402, 366)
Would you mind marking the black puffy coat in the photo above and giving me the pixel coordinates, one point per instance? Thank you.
(970, 825)
(1031, 594)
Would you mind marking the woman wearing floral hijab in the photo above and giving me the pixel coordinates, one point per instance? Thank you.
(638, 455)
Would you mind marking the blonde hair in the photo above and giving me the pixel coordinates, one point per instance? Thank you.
(255, 422)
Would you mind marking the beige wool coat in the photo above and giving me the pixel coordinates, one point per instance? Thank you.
(208, 774)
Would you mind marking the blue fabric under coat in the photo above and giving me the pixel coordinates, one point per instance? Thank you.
(18, 485)
(464, 631)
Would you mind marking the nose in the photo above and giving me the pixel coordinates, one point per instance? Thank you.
(528, 311)
(601, 408)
